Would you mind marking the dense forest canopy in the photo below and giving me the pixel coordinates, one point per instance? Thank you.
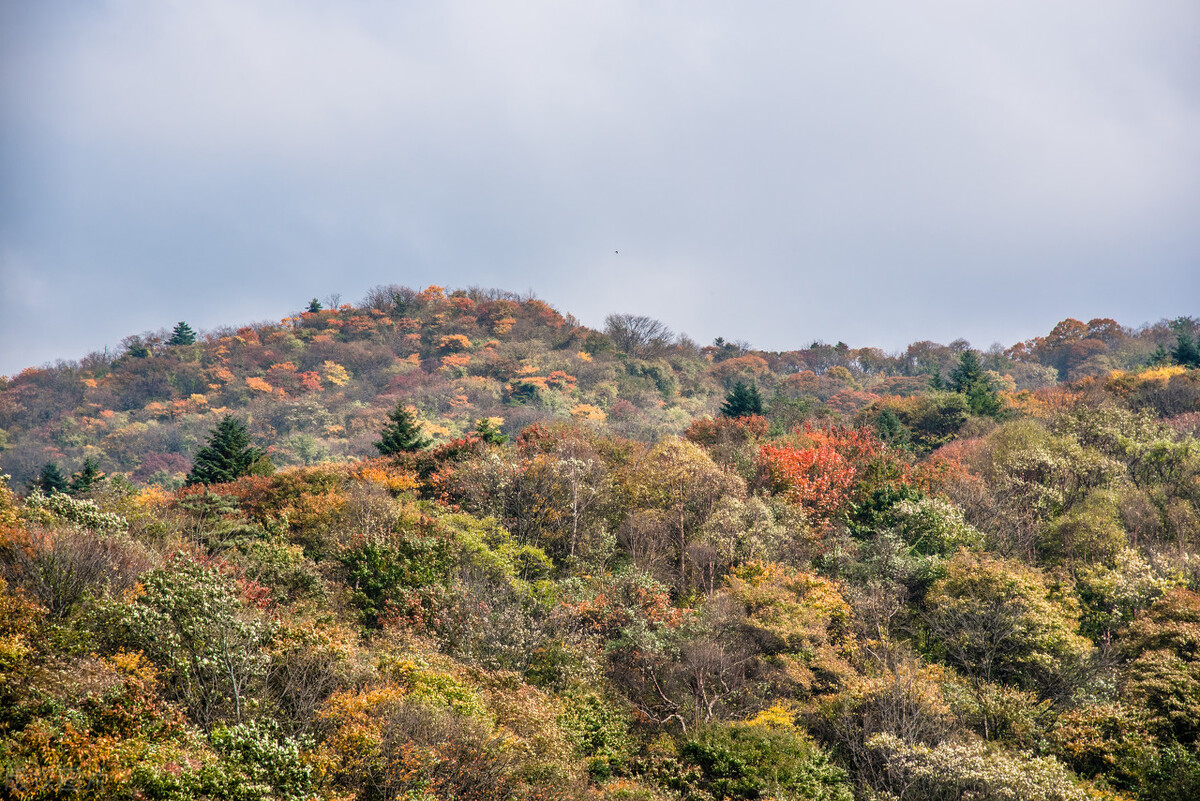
(455, 545)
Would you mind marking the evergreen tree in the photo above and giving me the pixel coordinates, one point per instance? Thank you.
(966, 373)
(968, 378)
(136, 348)
(983, 400)
(487, 431)
(1158, 357)
(314, 306)
(182, 335)
(51, 479)
(742, 401)
(88, 475)
(402, 434)
(890, 429)
(1185, 352)
(229, 455)
(936, 382)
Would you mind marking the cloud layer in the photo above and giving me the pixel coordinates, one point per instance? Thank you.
(871, 172)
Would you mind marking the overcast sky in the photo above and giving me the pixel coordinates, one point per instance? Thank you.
(873, 172)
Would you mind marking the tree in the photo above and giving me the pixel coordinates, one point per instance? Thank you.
(680, 480)
(489, 432)
(182, 335)
(1158, 357)
(136, 348)
(969, 379)
(190, 621)
(1185, 352)
(637, 335)
(51, 479)
(88, 475)
(742, 401)
(997, 619)
(314, 306)
(967, 372)
(229, 454)
(402, 434)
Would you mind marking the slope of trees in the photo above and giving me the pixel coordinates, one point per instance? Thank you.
(592, 584)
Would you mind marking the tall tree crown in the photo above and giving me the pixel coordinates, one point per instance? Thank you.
(742, 401)
(402, 433)
(229, 454)
(182, 334)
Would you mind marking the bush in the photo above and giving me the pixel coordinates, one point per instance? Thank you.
(954, 771)
(195, 628)
(755, 761)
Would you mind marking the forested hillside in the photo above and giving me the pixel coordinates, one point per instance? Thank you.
(459, 546)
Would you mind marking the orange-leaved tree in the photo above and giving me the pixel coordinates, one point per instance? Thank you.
(820, 471)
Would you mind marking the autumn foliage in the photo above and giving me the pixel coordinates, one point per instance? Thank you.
(591, 585)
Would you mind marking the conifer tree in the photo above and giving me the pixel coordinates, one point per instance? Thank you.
(487, 431)
(182, 335)
(1185, 352)
(1158, 357)
(402, 434)
(314, 306)
(742, 401)
(51, 479)
(967, 372)
(137, 349)
(229, 454)
(87, 476)
(968, 378)
(889, 428)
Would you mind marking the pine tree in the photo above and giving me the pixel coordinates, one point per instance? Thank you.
(229, 454)
(487, 431)
(968, 378)
(182, 335)
(402, 434)
(88, 475)
(51, 479)
(1158, 357)
(136, 348)
(314, 306)
(1185, 352)
(967, 372)
(742, 401)
(889, 428)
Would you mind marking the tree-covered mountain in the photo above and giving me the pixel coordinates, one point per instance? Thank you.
(458, 546)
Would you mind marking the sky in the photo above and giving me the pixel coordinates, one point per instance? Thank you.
(772, 172)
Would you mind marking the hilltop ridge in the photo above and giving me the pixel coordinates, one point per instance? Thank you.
(317, 385)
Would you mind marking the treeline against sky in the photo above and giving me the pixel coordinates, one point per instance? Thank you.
(457, 546)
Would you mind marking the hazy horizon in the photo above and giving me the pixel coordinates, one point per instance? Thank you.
(870, 173)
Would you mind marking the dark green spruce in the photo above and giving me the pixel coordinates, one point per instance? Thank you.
(402, 434)
(742, 401)
(182, 335)
(228, 456)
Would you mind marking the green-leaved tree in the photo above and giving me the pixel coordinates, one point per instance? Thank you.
(969, 379)
(182, 335)
(51, 479)
(489, 432)
(402, 434)
(88, 475)
(742, 401)
(1186, 352)
(229, 455)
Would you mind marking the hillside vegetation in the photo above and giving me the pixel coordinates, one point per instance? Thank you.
(459, 546)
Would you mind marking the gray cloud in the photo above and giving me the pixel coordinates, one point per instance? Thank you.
(872, 172)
